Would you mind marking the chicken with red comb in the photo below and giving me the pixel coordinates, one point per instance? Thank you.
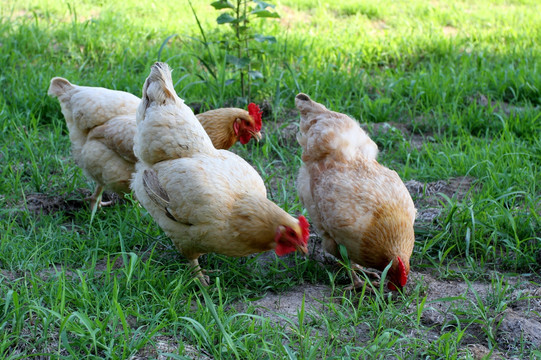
(206, 200)
(226, 126)
(353, 200)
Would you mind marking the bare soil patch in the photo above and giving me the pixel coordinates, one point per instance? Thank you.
(415, 139)
(501, 107)
(7, 275)
(379, 26)
(444, 299)
(41, 203)
(161, 347)
(289, 16)
(428, 196)
(450, 31)
(282, 308)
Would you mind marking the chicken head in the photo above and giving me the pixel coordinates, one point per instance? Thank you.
(246, 127)
(398, 275)
(292, 238)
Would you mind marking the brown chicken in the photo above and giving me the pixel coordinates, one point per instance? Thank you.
(352, 200)
(101, 124)
(226, 126)
(206, 200)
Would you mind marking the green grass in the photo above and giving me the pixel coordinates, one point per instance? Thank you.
(464, 77)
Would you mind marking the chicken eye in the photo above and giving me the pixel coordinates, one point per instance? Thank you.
(246, 123)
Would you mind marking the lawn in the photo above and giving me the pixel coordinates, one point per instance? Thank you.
(449, 90)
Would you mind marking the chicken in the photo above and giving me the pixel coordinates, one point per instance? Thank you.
(206, 200)
(353, 200)
(101, 123)
(226, 126)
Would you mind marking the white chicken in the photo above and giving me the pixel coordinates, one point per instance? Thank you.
(206, 200)
(101, 124)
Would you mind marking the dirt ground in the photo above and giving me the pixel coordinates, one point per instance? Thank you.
(521, 318)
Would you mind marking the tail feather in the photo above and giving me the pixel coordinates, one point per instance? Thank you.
(158, 86)
(156, 192)
(325, 133)
(307, 105)
(59, 86)
(167, 129)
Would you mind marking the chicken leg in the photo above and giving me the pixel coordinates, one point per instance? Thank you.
(95, 201)
(357, 282)
(199, 273)
(95, 198)
(332, 248)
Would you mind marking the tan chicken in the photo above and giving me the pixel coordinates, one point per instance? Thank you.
(352, 200)
(101, 124)
(206, 200)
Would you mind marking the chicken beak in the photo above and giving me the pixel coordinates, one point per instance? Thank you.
(256, 135)
(303, 249)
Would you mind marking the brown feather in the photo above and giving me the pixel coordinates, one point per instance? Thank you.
(219, 125)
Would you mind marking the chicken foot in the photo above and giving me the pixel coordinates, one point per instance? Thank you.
(199, 272)
(95, 201)
(332, 248)
(358, 283)
(368, 273)
(95, 198)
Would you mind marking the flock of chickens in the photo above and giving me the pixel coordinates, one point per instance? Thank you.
(207, 199)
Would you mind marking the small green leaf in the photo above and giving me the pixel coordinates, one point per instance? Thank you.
(255, 74)
(264, 13)
(222, 4)
(263, 38)
(238, 62)
(229, 82)
(263, 5)
(225, 18)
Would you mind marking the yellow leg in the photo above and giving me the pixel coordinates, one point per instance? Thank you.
(95, 199)
(199, 273)
(357, 282)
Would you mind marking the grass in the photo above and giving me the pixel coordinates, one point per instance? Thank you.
(463, 77)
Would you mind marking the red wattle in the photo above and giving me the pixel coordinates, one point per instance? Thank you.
(402, 270)
(282, 250)
(244, 138)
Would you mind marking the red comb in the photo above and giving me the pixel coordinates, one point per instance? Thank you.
(255, 113)
(402, 272)
(305, 228)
